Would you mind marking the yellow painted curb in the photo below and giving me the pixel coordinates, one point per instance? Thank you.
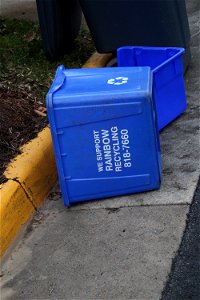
(98, 60)
(15, 210)
(35, 168)
(31, 175)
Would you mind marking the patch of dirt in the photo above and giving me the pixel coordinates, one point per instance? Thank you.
(19, 123)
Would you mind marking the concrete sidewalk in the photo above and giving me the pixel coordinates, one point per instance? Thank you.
(19, 9)
(119, 248)
(95, 254)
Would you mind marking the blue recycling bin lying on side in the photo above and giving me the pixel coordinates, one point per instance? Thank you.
(104, 132)
(168, 80)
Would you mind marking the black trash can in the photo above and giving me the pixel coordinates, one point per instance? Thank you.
(60, 21)
(116, 23)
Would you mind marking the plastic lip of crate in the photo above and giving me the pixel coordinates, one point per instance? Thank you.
(91, 112)
(168, 81)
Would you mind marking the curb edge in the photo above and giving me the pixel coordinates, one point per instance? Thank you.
(31, 176)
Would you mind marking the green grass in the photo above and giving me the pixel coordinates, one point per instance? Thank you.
(23, 63)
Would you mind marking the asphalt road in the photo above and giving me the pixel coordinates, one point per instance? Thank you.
(184, 279)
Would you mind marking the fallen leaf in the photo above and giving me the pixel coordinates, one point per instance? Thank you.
(39, 113)
(42, 109)
(29, 37)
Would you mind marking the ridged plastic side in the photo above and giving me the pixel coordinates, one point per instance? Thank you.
(56, 85)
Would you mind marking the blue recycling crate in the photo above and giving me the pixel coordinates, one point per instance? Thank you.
(168, 82)
(104, 132)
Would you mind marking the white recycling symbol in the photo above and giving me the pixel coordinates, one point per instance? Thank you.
(118, 80)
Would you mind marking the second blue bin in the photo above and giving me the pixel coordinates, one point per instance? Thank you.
(168, 82)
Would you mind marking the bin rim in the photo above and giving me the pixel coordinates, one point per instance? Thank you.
(180, 52)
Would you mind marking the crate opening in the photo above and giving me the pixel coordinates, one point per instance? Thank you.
(142, 57)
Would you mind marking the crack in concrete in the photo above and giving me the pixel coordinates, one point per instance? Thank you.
(25, 191)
